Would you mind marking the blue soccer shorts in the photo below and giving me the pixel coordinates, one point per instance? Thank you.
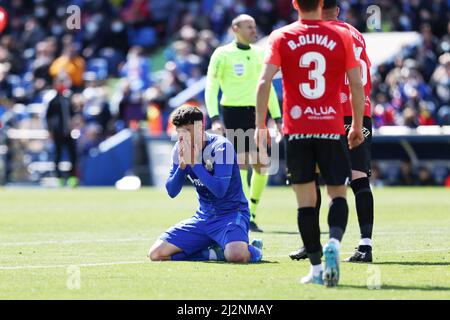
(200, 231)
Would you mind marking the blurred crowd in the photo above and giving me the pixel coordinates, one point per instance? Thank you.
(112, 83)
(405, 173)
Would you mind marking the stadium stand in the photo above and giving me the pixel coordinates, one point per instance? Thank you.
(116, 84)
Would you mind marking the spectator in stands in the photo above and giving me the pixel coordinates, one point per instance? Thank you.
(383, 112)
(406, 177)
(441, 79)
(205, 45)
(6, 94)
(136, 69)
(41, 64)
(444, 44)
(425, 114)
(131, 107)
(13, 53)
(376, 178)
(95, 35)
(59, 118)
(424, 177)
(71, 63)
(185, 58)
(410, 117)
(32, 34)
(95, 108)
(90, 134)
(429, 40)
(171, 81)
(426, 62)
(135, 12)
(118, 36)
(444, 116)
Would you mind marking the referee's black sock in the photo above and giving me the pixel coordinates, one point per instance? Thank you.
(364, 206)
(337, 218)
(308, 225)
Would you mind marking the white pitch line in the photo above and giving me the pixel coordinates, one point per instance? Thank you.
(30, 243)
(416, 250)
(42, 242)
(97, 264)
(100, 264)
(398, 251)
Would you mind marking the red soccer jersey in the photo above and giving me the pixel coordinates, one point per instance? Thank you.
(359, 46)
(313, 56)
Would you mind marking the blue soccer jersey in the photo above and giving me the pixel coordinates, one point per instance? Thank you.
(217, 179)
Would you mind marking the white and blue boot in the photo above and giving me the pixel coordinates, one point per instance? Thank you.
(312, 279)
(331, 272)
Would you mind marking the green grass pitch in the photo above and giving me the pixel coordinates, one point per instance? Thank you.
(51, 238)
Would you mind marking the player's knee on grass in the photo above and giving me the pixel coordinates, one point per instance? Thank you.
(237, 252)
(162, 250)
(156, 253)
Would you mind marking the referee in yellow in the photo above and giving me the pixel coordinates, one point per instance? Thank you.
(235, 69)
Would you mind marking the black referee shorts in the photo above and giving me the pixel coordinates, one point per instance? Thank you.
(361, 155)
(329, 152)
(240, 118)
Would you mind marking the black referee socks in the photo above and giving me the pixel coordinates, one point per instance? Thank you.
(337, 218)
(364, 206)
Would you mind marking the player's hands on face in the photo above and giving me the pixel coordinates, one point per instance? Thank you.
(197, 154)
(197, 142)
(218, 127)
(355, 137)
(181, 152)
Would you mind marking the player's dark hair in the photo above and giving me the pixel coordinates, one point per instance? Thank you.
(185, 115)
(308, 5)
(329, 4)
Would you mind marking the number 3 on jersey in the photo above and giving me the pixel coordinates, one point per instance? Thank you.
(316, 75)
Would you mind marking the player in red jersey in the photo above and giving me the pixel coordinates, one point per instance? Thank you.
(360, 156)
(314, 57)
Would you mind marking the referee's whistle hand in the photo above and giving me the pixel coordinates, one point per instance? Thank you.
(355, 138)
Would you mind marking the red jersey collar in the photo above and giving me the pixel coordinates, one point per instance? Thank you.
(309, 21)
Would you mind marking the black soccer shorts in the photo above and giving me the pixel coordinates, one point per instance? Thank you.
(241, 118)
(360, 156)
(329, 152)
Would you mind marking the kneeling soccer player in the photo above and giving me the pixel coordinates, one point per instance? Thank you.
(219, 228)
